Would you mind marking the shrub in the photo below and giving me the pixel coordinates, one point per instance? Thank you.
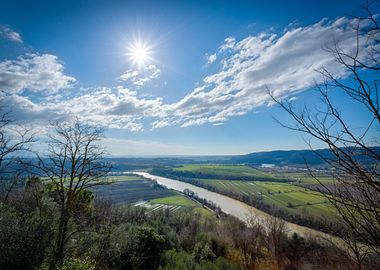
(23, 240)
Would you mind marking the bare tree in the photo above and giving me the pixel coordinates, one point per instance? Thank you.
(15, 140)
(276, 237)
(355, 193)
(74, 162)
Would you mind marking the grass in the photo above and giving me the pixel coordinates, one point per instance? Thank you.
(225, 170)
(184, 204)
(203, 212)
(109, 179)
(236, 171)
(279, 194)
(305, 177)
(289, 196)
(118, 178)
(175, 200)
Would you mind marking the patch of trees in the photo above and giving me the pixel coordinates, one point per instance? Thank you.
(205, 203)
(105, 236)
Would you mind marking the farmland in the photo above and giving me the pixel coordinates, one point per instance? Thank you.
(177, 203)
(229, 170)
(293, 198)
(235, 172)
(175, 200)
(130, 191)
(281, 193)
(137, 191)
(278, 191)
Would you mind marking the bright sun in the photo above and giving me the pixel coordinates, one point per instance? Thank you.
(139, 53)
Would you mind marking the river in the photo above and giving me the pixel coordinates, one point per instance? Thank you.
(236, 208)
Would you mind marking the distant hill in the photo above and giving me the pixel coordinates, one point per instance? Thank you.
(296, 157)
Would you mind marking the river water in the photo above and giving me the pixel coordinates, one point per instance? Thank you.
(236, 208)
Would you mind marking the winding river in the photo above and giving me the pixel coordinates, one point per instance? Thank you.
(236, 208)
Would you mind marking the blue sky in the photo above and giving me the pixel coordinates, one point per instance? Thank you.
(201, 88)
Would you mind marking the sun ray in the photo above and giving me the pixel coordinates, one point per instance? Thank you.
(139, 53)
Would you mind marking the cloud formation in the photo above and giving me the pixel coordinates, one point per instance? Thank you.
(9, 34)
(211, 58)
(33, 72)
(141, 77)
(111, 107)
(286, 63)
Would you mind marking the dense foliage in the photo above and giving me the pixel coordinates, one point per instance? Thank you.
(103, 236)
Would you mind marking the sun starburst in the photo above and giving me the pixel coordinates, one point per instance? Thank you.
(139, 53)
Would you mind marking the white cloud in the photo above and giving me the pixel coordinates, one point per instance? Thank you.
(228, 43)
(211, 58)
(141, 77)
(114, 107)
(25, 111)
(33, 72)
(111, 107)
(285, 63)
(160, 124)
(9, 34)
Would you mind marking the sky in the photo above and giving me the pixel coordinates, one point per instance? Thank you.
(172, 77)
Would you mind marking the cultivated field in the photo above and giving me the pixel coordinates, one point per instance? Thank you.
(229, 170)
(135, 190)
(293, 198)
(130, 190)
(284, 190)
(238, 171)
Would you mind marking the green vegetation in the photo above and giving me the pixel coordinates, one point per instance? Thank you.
(112, 237)
(293, 196)
(175, 200)
(305, 177)
(24, 239)
(248, 173)
(223, 170)
(182, 203)
(203, 212)
(118, 178)
(279, 194)
(148, 194)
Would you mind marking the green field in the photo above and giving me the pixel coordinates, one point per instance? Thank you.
(229, 170)
(236, 171)
(127, 177)
(135, 190)
(280, 189)
(182, 203)
(277, 190)
(293, 198)
(175, 200)
(225, 170)
(241, 170)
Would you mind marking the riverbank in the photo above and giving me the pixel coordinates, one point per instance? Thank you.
(241, 210)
